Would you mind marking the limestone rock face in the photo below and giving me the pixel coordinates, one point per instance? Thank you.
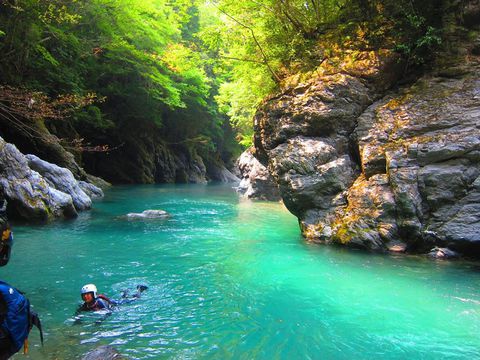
(145, 158)
(29, 194)
(40, 191)
(226, 176)
(428, 139)
(385, 171)
(304, 135)
(61, 179)
(91, 190)
(256, 182)
(217, 171)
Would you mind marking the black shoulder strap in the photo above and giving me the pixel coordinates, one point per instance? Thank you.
(33, 319)
(3, 309)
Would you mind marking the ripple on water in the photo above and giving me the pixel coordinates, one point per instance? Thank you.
(232, 279)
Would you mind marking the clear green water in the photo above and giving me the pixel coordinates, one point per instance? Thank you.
(232, 279)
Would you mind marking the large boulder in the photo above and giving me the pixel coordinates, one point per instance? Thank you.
(364, 166)
(303, 135)
(62, 179)
(29, 195)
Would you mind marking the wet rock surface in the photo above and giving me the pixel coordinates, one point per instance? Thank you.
(442, 253)
(105, 352)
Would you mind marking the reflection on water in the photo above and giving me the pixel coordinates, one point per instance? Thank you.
(232, 279)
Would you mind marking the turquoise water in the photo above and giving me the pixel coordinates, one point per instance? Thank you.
(232, 279)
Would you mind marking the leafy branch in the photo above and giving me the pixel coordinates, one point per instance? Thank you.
(264, 55)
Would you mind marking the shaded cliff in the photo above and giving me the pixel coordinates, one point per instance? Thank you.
(142, 154)
(367, 164)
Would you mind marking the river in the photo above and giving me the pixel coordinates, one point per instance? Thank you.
(233, 279)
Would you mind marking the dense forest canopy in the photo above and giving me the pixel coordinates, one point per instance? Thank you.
(191, 69)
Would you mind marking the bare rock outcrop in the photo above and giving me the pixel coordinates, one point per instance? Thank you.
(368, 167)
(426, 140)
(29, 195)
(39, 191)
(256, 182)
(61, 179)
(304, 134)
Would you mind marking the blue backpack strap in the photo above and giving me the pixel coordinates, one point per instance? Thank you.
(16, 321)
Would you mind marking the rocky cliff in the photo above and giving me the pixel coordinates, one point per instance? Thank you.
(137, 155)
(366, 163)
(147, 158)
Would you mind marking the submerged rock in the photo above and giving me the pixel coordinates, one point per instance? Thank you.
(149, 214)
(442, 253)
(105, 352)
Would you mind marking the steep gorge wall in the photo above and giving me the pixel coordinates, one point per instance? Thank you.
(149, 159)
(139, 155)
(380, 169)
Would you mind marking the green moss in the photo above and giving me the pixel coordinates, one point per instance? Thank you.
(473, 35)
(344, 234)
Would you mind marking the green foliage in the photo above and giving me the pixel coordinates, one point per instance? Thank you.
(188, 67)
(259, 43)
(410, 27)
(420, 48)
(143, 56)
(47, 56)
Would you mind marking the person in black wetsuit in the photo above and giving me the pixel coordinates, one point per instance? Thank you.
(95, 302)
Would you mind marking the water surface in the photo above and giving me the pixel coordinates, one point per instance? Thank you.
(232, 279)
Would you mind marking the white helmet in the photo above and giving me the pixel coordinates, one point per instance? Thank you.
(89, 288)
